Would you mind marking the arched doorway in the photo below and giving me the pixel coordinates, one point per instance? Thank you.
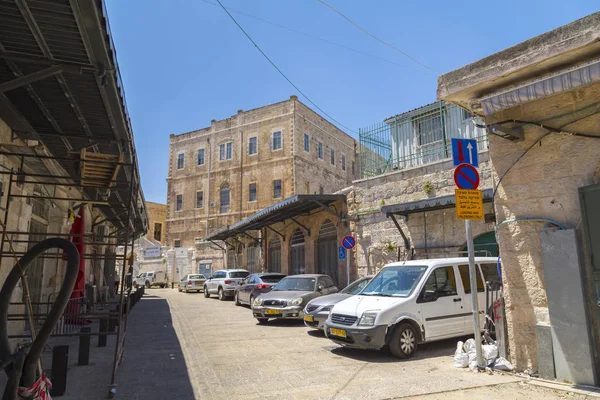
(327, 251)
(485, 245)
(274, 259)
(297, 253)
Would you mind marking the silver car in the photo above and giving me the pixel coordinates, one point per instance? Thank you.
(224, 282)
(290, 295)
(317, 310)
(192, 282)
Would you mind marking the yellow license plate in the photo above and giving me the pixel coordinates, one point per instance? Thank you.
(198, 283)
(272, 312)
(337, 332)
(308, 318)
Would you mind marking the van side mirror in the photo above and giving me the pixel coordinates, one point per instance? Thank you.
(429, 296)
(321, 287)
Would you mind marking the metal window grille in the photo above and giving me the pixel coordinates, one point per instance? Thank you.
(277, 188)
(179, 202)
(276, 142)
(252, 194)
(416, 137)
(200, 157)
(306, 142)
(320, 150)
(252, 145)
(224, 197)
(199, 199)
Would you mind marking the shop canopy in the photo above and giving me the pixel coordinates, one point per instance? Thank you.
(290, 208)
(60, 88)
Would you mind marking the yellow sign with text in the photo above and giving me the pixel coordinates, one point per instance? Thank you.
(469, 204)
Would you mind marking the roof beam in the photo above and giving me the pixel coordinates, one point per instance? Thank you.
(307, 229)
(33, 27)
(27, 79)
(276, 232)
(404, 238)
(256, 241)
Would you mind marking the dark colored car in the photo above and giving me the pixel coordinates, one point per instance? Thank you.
(254, 285)
(317, 310)
(287, 299)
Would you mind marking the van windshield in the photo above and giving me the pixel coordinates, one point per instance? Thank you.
(142, 275)
(397, 281)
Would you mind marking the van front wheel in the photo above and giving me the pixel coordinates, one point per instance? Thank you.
(403, 342)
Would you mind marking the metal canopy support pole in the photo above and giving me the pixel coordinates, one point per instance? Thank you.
(329, 210)
(256, 241)
(218, 245)
(302, 226)
(474, 295)
(276, 232)
(348, 254)
(30, 78)
(404, 238)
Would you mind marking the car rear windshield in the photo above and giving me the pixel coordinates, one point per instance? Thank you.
(296, 284)
(396, 281)
(199, 276)
(239, 274)
(272, 278)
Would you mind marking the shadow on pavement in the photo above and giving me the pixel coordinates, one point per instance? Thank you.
(442, 348)
(316, 333)
(284, 322)
(153, 366)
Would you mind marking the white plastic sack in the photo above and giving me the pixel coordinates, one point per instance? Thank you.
(461, 359)
(490, 351)
(469, 346)
(502, 364)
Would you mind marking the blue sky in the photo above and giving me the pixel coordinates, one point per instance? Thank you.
(184, 62)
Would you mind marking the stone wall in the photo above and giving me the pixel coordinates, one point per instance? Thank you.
(431, 234)
(157, 214)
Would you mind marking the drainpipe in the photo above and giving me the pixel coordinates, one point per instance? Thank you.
(208, 186)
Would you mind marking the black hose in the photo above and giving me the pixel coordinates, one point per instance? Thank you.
(28, 374)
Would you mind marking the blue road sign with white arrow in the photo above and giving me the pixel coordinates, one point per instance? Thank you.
(464, 151)
(341, 253)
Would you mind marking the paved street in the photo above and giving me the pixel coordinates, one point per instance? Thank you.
(215, 350)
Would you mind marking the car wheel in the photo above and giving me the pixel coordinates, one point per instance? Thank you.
(206, 294)
(221, 295)
(179, 289)
(403, 342)
(262, 321)
(237, 300)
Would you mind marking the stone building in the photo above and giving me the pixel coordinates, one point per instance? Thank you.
(221, 174)
(540, 101)
(407, 178)
(157, 221)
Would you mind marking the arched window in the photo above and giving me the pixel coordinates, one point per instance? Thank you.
(224, 198)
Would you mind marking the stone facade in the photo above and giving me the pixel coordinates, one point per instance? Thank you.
(431, 234)
(543, 172)
(243, 152)
(157, 221)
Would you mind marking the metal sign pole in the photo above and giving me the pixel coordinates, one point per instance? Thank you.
(474, 296)
(349, 252)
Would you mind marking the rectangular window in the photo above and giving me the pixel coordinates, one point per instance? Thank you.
(321, 189)
(252, 193)
(442, 282)
(199, 199)
(463, 270)
(320, 150)
(200, 157)
(353, 168)
(429, 130)
(343, 162)
(306, 142)
(180, 161)
(157, 231)
(179, 202)
(332, 158)
(466, 114)
(252, 145)
(225, 151)
(276, 141)
(277, 188)
(177, 243)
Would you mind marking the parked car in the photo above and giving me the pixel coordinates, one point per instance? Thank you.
(151, 278)
(288, 298)
(224, 282)
(192, 282)
(317, 310)
(254, 285)
(412, 302)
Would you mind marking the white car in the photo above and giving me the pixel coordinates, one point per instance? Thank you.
(412, 302)
(151, 278)
(192, 282)
(224, 282)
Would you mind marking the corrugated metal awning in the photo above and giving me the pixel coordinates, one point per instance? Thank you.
(300, 204)
(436, 203)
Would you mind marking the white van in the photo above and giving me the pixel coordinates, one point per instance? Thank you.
(412, 302)
(151, 278)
